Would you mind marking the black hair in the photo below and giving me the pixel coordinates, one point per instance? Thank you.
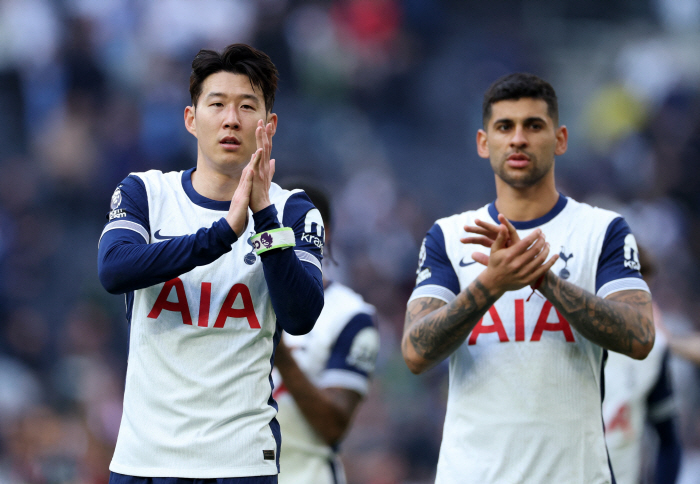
(237, 59)
(520, 85)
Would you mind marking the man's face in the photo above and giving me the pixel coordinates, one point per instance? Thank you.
(225, 119)
(521, 140)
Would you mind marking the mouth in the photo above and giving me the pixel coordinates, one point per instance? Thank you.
(518, 160)
(230, 142)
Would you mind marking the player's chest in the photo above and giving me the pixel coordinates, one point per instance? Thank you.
(576, 262)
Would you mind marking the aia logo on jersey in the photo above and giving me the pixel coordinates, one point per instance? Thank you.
(238, 292)
(541, 326)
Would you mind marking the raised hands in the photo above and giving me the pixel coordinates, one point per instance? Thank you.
(254, 186)
(262, 166)
(513, 263)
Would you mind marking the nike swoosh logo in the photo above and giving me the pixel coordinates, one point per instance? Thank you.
(462, 264)
(163, 237)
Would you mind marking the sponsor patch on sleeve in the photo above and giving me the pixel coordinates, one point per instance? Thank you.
(115, 214)
(423, 275)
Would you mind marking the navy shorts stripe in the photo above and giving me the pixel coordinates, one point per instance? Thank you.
(115, 478)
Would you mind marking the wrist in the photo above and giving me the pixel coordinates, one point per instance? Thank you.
(490, 284)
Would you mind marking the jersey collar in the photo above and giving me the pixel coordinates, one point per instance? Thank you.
(531, 224)
(198, 199)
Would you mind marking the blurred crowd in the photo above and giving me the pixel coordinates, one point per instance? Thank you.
(379, 102)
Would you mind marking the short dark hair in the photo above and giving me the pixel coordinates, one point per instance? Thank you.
(519, 85)
(315, 192)
(237, 59)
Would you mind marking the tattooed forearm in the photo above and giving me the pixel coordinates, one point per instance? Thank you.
(622, 322)
(433, 329)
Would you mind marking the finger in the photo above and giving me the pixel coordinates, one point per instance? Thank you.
(255, 158)
(244, 185)
(524, 244)
(272, 168)
(481, 231)
(514, 237)
(543, 269)
(488, 227)
(538, 260)
(500, 241)
(481, 258)
(485, 241)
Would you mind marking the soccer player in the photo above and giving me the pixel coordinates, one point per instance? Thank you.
(526, 381)
(638, 393)
(215, 262)
(322, 377)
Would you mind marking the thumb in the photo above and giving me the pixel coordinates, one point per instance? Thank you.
(481, 258)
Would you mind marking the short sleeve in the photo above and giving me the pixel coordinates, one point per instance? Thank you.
(435, 276)
(353, 356)
(618, 265)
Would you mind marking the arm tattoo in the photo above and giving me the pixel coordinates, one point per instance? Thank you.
(622, 322)
(435, 330)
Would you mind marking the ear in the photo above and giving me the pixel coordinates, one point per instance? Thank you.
(482, 146)
(272, 118)
(562, 135)
(190, 120)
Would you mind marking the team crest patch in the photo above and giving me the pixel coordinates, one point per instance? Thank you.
(564, 273)
(116, 199)
(250, 257)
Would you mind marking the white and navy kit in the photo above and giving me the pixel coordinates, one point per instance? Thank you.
(638, 393)
(340, 352)
(205, 313)
(525, 389)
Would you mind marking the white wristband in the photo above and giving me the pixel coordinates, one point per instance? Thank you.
(273, 239)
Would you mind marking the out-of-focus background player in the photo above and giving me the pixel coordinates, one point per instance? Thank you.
(639, 396)
(323, 376)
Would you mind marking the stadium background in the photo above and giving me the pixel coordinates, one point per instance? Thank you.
(379, 100)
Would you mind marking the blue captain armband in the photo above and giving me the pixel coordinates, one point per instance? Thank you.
(273, 239)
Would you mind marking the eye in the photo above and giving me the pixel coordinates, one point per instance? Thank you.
(218, 105)
(247, 106)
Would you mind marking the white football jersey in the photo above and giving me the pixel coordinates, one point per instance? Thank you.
(636, 392)
(197, 400)
(340, 352)
(525, 388)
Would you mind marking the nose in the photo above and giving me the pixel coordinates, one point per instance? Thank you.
(518, 139)
(231, 118)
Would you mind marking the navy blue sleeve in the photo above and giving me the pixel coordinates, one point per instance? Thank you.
(434, 266)
(619, 257)
(341, 357)
(295, 286)
(127, 262)
(668, 460)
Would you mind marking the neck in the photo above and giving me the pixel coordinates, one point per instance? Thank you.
(525, 204)
(214, 183)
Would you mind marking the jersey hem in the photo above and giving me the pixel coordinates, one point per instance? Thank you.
(252, 471)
